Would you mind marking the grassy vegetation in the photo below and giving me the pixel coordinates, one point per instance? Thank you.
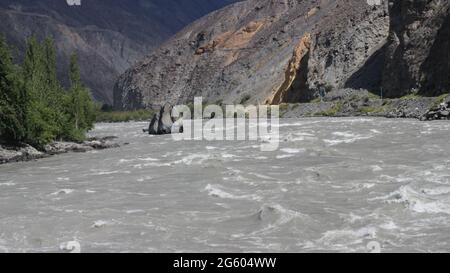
(373, 96)
(371, 109)
(411, 96)
(316, 100)
(439, 100)
(124, 116)
(336, 108)
(284, 107)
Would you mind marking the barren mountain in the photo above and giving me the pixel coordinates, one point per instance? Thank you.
(108, 35)
(267, 51)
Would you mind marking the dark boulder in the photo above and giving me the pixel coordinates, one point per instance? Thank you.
(153, 127)
(438, 113)
(165, 121)
(162, 122)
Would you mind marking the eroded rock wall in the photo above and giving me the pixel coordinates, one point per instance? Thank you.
(417, 58)
(267, 51)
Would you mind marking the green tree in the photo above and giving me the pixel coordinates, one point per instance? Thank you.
(34, 107)
(81, 108)
(11, 109)
(42, 116)
(54, 91)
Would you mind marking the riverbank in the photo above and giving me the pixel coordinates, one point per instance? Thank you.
(350, 103)
(123, 116)
(24, 152)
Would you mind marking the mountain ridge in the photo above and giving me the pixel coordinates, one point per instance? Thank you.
(109, 36)
(244, 52)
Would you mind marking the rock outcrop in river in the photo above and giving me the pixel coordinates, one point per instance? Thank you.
(162, 122)
(265, 51)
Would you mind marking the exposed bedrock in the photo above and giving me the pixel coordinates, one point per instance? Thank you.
(265, 51)
(417, 58)
(162, 122)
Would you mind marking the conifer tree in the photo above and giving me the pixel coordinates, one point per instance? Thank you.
(80, 106)
(34, 107)
(11, 111)
(42, 126)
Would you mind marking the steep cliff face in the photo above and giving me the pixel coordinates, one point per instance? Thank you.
(108, 35)
(267, 51)
(417, 58)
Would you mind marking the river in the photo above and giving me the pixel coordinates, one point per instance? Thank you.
(334, 185)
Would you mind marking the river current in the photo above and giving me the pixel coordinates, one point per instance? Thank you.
(334, 185)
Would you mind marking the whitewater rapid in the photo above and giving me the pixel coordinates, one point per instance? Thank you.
(333, 185)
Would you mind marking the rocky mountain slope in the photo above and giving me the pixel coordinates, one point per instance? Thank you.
(267, 51)
(108, 35)
(418, 55)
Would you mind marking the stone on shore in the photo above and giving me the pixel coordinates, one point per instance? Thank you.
(441, 112)
(23, 152)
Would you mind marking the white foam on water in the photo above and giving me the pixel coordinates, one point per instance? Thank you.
(145, 178)
(363, 186)
(225, 155)
(63, 191)
(292, 151)
(154, 164)
(351, 120)
(104, 172)
(134, 211)
(417, 202)
(8, 184)
(149, 159)
(285, 156)
(123, 160)
(294, 137)
(437, 191)
(389, 226)
(71, 247)
(277, 216)
(346, 236)
(63, 179)
(218, 192)
(100, 224)
(281, 125)
(197, 159)
(346, 138)
(376, 168)
(262, 176)
(353, 218)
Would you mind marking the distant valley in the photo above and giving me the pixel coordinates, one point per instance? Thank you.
(108, 35)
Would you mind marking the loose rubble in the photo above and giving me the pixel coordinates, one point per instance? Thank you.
(442, 112)
(25, 152)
